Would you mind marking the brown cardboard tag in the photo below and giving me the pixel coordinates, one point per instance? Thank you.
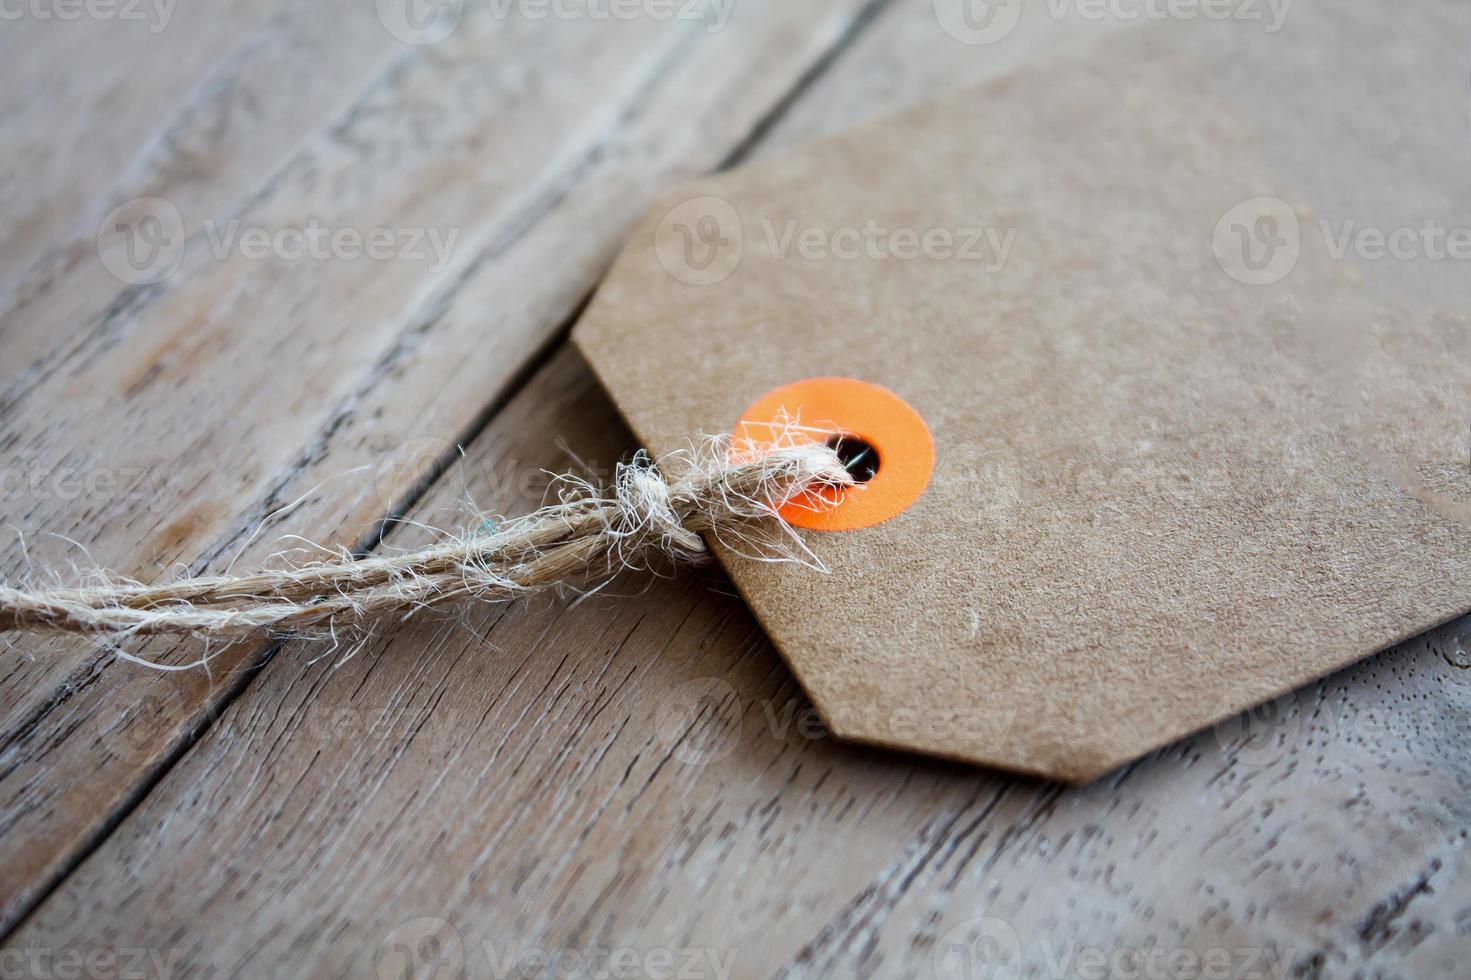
(1170, 474)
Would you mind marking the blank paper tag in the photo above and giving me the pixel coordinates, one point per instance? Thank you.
(1175, 474)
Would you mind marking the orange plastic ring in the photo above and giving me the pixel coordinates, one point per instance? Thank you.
(826, 409)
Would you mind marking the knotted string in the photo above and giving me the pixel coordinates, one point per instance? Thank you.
(587, 535)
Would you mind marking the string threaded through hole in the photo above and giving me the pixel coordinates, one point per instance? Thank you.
(859, 456)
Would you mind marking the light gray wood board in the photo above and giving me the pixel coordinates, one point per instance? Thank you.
(158, 425)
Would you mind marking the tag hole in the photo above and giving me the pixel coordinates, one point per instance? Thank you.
(859, 456)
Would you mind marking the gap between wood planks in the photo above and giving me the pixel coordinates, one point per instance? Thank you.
(244, 674)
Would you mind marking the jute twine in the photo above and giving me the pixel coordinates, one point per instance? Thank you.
(586, 535)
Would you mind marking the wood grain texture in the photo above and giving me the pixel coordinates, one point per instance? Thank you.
(160, 428)
(636, 781)
(640, 773)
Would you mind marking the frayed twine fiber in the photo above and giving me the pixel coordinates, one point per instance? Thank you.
(586, 535)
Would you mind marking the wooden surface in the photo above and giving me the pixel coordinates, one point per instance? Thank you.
(631, 782)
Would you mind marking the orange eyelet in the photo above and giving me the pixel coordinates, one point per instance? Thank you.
(861, 420)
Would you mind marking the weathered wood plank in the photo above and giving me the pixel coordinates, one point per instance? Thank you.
(198, 406)
(199, 111)
(640, 773)
(66, 132)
